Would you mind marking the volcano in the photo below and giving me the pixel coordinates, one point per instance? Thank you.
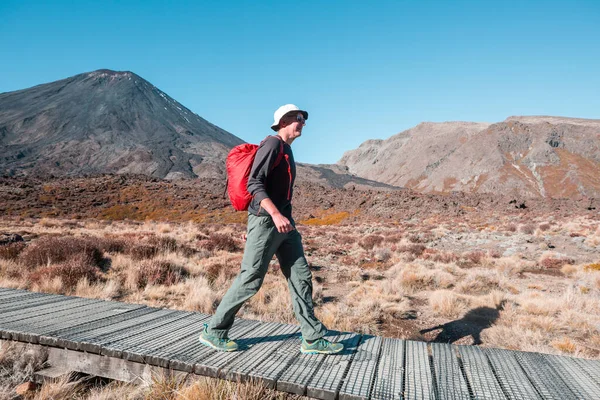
(107, 122)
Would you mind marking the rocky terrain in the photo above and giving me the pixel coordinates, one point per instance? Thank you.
(138, 197)
(529, 156)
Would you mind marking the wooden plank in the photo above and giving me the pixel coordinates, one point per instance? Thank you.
(185, 355)
(272, 368)
(480, 375)
(238, 368)
(33, 304)
(150, 351)
(93, 341)
(419, 379)
(50, 336)
(8, 292)
(576, 378)
(31, 329)
(18, 317)
(361, 375)
(60, 337)
(9, 297)
(513, 380)
(546, 380)
(39, 306)
(296, 377)
(70, 315)
(389, 380)
(17, 302)
(50, 374)
(210, 365)
(449, 379)
(107, 367)
(327, 381)
(117, 347)
(590, 367)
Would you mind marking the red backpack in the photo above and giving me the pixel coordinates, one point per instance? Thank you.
(239, 163)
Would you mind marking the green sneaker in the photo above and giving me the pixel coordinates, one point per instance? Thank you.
(321, 346)
(215, 342)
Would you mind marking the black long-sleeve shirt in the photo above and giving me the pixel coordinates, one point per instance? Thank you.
(276, 182)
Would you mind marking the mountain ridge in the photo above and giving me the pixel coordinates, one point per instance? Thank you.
(534, 156)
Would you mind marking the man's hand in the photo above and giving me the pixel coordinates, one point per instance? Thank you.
(282, 224)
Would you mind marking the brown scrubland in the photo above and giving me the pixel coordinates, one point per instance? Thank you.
(515, 280)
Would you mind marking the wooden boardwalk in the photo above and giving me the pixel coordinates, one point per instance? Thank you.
(126, 339)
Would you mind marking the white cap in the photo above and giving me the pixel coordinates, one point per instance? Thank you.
(281, 111)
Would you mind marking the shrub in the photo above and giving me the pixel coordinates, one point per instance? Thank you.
(370, 241)
(527, 228)
(416, 238)
(219, 241)
(471, 259)
(511, 228)
(414, 249)
(142, 251)
(112, 244)
(446, 257)
(393, 238)
(494, 253)
(228, 270)
(70, 272)
(555, 263)
(11, 251)
(156, 272)
(382, 254)
(544, 227)
(59, 249)
(345, 239)
(163, 243)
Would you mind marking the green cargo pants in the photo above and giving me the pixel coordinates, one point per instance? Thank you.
(263, 241)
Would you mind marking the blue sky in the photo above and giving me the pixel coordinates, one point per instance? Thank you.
(362, 69)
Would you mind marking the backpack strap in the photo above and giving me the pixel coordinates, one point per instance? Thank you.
(281, 151)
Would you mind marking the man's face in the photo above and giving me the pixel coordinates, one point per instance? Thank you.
(294, 122)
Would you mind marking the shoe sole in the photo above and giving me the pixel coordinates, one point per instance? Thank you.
(212, 346)
(319, 352)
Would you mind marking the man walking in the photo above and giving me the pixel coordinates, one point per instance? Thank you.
(271, 230)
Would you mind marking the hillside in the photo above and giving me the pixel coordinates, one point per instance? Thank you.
(527, 156)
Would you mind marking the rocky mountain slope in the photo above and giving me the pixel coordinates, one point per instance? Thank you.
(107, 122)
(531, 156)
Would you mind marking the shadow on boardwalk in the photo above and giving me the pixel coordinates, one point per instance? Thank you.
(245, 343)
(471, 324)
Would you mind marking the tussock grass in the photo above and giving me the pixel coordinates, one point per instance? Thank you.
(371, 277)
(59, 249)
(18, 363)
(79, 266)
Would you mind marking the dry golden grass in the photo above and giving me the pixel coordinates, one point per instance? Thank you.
(368, 277)
(18, 362)
(448, 304)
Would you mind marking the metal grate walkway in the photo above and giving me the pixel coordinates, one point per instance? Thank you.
(371, 367)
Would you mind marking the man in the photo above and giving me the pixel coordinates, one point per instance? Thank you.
(272, 230)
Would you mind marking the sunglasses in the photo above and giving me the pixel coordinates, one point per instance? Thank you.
(300, 119)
